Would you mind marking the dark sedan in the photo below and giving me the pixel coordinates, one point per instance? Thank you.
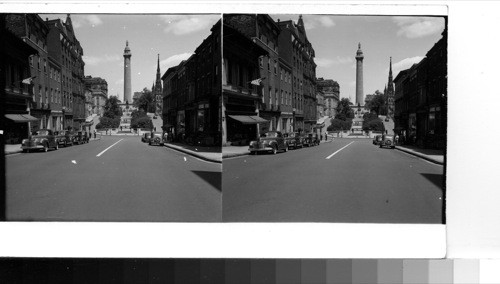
(41, 139)
(294, 140)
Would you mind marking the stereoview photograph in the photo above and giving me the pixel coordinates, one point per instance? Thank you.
(334, 118)
(112, 117)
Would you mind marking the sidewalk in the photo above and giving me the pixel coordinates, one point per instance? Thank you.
(431, 155)
(16, 148)
(211, 154)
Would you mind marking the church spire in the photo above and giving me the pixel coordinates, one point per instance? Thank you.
(390, 68)
(158, 68)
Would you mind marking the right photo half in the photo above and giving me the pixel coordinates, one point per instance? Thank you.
(334, 118)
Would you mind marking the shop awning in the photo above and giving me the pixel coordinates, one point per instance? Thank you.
(21, 117)
(248, 119)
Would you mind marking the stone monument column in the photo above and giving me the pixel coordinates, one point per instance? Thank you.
(127, 87)
(359, 77)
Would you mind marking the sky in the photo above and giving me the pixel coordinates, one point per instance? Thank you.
(335, 41)
(103, 38)
(175, 37)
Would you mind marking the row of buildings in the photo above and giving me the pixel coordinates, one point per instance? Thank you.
(45, 86)
(191, 94)
(420, 112)
(269, 79)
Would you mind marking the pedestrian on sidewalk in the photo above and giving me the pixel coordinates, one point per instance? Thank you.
(396, 139)
(95, 134)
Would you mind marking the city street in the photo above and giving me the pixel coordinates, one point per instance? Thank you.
(117, 178)
(348, 180)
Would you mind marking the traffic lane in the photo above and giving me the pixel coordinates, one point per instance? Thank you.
(176, 187)
(103, 189)
(349, 187)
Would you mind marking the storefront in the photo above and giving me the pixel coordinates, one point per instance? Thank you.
(16, 127)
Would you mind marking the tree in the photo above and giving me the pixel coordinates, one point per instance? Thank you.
(372, 122)
(344, 110)
(339, 125)
(140, 120)
(378, 103)
(106, 122)
(146, 101)
(111, 108)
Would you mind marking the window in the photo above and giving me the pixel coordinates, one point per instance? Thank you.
(45, 65)
(270, 96)
(261, 62)
(275, 67)
(268, 64)
(38, 63)
(281, 75)
(276, 99)
(282, 98)
(31, 60)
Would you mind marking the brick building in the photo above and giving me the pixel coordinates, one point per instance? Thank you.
(191, 94)
(16, 95)
(64, 48)
(33, 30)
(296, 49)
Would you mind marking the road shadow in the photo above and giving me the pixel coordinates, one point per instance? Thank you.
(213, 178)
(206, 149)
(436, 179)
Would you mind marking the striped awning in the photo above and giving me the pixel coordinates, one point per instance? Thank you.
(248, 119)
(20, 118)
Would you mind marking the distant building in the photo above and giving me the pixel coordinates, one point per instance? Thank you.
(330, 89)
(157, 90)
(98, 88)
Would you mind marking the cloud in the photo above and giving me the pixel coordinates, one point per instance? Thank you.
(404, 64)
(86, 20)
(119, 82)
(186, 24)
(417, 27)
(338, 60)
(312, 22)
(96, 60)
(173, 60)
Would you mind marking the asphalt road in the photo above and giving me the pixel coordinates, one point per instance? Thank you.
(131, 181)
(361, 183)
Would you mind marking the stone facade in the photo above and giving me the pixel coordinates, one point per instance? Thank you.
(330, 89)
(98, 88)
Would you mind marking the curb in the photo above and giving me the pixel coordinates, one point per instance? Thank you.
(13, 152)
(232, 155)
(192, 153)
(425, 157)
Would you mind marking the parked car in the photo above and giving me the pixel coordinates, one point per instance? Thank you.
(294, 140)
(311, 139)
(157, 139)
(377, 140)
(146, 137)
(64, 137)
(271, 141)
(387, 141)
(41, 139)
(81, 137)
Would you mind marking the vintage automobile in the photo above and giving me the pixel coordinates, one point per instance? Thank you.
(377, 140)
(294, 140)
(81, 137)
(64, 137)
(41, 139)
(311, 139)
(157, 139)
(146, 137)
(271, 141)
(387, 141)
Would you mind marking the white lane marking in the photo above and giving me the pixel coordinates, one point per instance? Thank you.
(339, 150)
(108, 148)
(73, 161)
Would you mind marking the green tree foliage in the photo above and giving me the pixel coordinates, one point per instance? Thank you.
(140, 120)
(339, 124)
(145, 101)
(344, 110)
(106, 122)
(378, 103)
(111, 108)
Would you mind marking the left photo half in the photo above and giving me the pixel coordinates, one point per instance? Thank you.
(111, 117)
